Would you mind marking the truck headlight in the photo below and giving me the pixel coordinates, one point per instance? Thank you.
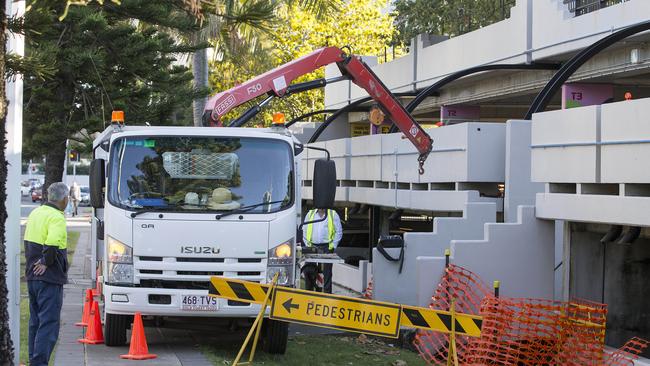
(120, 261)
(281, 261)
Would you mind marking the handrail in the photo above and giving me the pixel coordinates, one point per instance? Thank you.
(582, 7)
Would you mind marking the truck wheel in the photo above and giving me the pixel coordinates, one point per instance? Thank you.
(115, 327)
(275, 336)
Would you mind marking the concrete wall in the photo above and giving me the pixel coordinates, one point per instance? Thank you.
(616, 275)
(382, 169)
(564, 147)
(519, 254)
(390, 285)
(519, 190)
(593, 159)
(497, 251)
(536, 30)
(556, 31)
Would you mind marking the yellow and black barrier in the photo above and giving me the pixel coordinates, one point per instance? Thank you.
(343, 312)
(238, 290)
(440, 321)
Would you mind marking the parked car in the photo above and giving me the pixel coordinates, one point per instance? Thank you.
(25, 188)
(85, 196)
(37, 195)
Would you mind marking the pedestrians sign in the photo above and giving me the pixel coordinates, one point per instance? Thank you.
(440, 321)
(237, 290)
(345, 313)
(337, 312)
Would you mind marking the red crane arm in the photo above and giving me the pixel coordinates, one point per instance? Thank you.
(276, 82)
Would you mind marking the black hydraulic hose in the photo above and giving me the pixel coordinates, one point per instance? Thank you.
(542, 99)
(310, 114)
(345, 109)
(394, 241)
(250, 113)
(435, 87)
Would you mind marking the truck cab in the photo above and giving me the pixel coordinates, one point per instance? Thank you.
(173, 206)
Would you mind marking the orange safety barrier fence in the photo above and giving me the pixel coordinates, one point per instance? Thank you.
(521, 331)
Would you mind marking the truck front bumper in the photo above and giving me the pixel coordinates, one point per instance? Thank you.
(129, 300)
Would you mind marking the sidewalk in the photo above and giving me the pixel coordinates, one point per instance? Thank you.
(68, 350)
(174, 347)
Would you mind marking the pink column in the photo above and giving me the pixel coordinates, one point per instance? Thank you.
(459, 113)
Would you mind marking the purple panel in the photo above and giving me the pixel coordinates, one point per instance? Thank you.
(453, 113)
(581, 95)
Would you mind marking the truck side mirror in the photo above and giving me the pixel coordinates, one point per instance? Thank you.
(324, 183)
(96, 182)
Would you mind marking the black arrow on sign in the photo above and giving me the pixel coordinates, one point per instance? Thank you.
(288, 305)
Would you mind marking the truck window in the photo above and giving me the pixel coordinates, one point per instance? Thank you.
(199, 174)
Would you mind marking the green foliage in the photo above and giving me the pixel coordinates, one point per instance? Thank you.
(446, 17)
(105, 57)
(359, 24)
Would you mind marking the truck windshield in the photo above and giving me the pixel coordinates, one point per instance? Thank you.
(188, 173)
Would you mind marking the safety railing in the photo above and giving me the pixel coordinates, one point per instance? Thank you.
(582, 7)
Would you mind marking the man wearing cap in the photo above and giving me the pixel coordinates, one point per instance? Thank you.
(325, 236)
(46, 269)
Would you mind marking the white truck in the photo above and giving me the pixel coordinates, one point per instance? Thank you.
(173, 206)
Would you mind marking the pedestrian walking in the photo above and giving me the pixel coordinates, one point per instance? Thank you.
(325, 236)
(46, 266)
(75, 197)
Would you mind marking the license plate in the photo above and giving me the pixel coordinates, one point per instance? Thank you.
(199, 303)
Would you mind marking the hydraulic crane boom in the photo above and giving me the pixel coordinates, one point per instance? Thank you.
(277, 83)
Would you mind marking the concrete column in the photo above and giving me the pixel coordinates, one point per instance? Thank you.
(581, 95)
(15, 44)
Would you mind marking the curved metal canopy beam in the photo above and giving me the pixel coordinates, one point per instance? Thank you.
(435, 87)
(543, 98)
(347, 108)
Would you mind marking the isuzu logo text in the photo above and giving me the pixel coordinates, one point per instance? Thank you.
(199, 250)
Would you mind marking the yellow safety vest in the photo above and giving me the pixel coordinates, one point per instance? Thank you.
(330, 228)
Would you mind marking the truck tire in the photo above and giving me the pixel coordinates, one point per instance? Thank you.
(115, 327)
(275, 336)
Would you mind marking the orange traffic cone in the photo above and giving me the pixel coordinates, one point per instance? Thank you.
(94, 334)
(138, 349)
(88, 303)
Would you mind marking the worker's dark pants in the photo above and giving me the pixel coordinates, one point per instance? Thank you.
(310, 280)
(45, 300)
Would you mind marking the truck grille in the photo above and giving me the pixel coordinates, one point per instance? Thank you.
(200, 260)
(199, 273)
(186, 285)
(193, 273)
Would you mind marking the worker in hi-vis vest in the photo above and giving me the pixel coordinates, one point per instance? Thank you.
(325, 236)
(46, 271)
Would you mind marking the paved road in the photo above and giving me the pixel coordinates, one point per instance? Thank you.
(26, 206)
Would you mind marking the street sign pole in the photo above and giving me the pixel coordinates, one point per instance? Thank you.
(13, 153)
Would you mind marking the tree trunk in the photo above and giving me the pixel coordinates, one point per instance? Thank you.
(54, 161)
(200, 74)
(6, 346)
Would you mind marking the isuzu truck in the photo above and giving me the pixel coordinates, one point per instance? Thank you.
(173, 206)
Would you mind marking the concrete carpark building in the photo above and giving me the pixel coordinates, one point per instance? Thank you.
(553, 207)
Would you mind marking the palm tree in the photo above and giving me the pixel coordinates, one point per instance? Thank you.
(228, 19)
(235, 29)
